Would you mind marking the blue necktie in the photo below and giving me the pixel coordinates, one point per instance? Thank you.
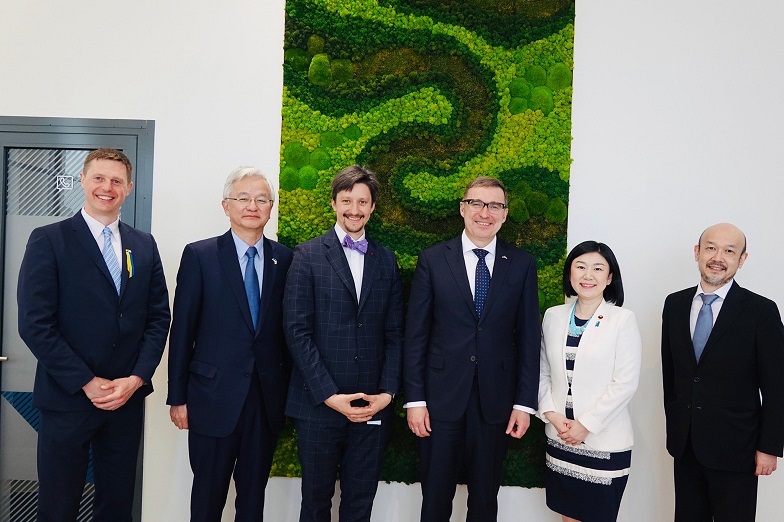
(704, 324)
(482, 281)
(252, 285)
(111, 258)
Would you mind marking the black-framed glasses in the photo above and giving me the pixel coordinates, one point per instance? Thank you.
(494, 207)
(246, 201)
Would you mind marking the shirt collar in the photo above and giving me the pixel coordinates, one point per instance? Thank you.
(96, 227)
(721, 292)
(342, 234)
(242, 246)
(469, 246)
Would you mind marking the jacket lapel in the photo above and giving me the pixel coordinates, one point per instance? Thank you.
(128, 244)
(500, 269)
(336, 258)
(368, 272)
(730, 309)
(82, 232)
(230, 265)
(456, 261)
(268, 281)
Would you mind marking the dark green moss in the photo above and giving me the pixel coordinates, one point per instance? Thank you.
(289, 178)
(542, 99)
(296, 155)
(308, 177)
(559, 77)
(320, 72)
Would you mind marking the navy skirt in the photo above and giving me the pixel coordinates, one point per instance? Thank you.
(584, 483)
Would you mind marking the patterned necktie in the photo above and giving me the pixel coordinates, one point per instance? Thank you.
(360, 246)
(252, 285)
(111, 258)
(482, 281)
(704, 324)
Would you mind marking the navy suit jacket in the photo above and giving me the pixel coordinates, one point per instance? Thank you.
(340, 345)
(76, 325)
(446, 342)
(718, 399)
(213, 345)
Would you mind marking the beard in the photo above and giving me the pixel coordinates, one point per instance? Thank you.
(715, 280)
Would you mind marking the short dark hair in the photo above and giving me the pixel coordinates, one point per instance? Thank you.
(350, 176)
(111, 155)
(487, 181)
(614, 291)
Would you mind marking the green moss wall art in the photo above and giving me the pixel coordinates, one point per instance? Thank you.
(430, 94)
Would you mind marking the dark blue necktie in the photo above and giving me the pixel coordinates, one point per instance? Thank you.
(704, 324)
(482, 281)
(252, 285)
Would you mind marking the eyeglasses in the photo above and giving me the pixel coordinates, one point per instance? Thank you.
(246, 201)
(477, 205)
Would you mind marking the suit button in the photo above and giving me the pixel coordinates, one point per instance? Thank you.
(688, 406)
(359, 325)
(479, 328)
(356, 358)
(247, 375)
(473, 358)
(696, 379)
(119, 315)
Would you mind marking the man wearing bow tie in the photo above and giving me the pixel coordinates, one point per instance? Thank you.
(343, 318)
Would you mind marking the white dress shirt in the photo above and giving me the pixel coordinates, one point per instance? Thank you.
(96, 229)
(696, 303)
(356, 260)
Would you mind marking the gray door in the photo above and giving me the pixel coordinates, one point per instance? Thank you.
(40, 186)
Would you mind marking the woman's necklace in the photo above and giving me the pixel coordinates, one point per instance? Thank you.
(574, 330)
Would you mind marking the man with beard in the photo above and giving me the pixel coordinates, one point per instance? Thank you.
(343, 318)
(722, 355)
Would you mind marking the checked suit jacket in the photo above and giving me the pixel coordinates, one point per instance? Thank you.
(340, 345)
(717, 400)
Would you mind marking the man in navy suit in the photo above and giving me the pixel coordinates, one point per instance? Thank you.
(471, 360)
(722, 353)
(228, 363)
(343, 316)
(94, 310)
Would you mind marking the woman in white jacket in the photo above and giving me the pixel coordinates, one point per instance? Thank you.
(590, 366)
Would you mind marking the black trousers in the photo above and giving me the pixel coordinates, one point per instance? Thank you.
(64, 441)
(481, 446)
(357, 450)
(706, 495)
(246, 453)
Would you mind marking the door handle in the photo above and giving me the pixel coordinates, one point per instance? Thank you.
(3, 358)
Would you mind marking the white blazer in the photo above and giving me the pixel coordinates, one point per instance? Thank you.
(605, 377)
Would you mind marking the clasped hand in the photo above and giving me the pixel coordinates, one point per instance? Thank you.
(342, 404)
(570, 432)
(110, 395)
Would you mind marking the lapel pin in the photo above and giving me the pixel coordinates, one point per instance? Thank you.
(504, 257)
(274, 261)
(129, 263)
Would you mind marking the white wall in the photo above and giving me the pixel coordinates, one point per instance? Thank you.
(675, 127)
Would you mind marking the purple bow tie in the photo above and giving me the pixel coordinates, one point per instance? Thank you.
(360, 246)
